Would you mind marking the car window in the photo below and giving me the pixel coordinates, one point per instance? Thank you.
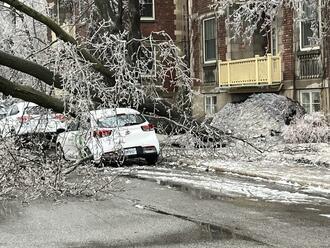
(3, 110)
(74, 125)
(35, 110)
(120, 120)
(14, 110)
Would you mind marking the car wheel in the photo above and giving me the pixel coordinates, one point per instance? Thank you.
(152, 159)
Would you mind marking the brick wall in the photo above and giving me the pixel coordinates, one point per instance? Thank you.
(200, 11)
(164, 19)
(288, 43)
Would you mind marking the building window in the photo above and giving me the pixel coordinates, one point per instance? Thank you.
(210, 105)
(274, 35)
(147, 62)
(209, 75)
(147, 10)
(209, 40)
(311, 100)
(309, 28)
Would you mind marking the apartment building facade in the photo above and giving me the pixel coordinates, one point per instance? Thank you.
(156, 15)
(284, 61)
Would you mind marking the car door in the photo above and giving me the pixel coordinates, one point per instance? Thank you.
(10, 123)
(69, 141)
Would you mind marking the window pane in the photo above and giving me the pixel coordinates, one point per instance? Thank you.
(316, 97)
(210, 104)
(209, 75)
(208, 101)
(210, 51)
(306, 27)
(209, 29)
(274, 40)
(305, 98)
(147, 8)
(306, 107)
(214, 99)
(316, 107)
(306, 34)
(209, 40)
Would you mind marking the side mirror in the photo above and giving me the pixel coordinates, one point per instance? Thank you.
(60, 130)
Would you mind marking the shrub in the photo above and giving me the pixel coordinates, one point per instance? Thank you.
(311, 128)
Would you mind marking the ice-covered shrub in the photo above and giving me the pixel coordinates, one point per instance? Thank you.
(311, 128)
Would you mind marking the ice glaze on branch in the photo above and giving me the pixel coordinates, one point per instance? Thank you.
(245, 17)
(63, 35)
(31, 68)
(27, 93)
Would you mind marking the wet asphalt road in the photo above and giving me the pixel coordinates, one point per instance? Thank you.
(153, 214)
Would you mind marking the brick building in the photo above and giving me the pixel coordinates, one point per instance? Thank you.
(156, 15)
(284, 62)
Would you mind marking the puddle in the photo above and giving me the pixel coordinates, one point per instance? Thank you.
(207, 230)
(200, 193)
(201, 233)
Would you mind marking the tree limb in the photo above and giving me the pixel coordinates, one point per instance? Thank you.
(27, 93)
(97, 65)
(31, 68)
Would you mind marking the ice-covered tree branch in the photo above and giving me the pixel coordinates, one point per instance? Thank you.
(243, 18)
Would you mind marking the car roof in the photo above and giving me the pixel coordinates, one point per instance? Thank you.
(22, 105)
(97, 114)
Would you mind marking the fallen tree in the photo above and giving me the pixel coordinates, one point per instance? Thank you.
(172, 68)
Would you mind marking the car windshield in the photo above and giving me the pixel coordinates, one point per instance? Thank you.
(120, 120)
(3, 110)
(36, 110)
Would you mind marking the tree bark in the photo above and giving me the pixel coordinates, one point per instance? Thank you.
(31, 68)
(29, 94)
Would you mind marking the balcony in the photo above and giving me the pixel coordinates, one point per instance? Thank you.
(309, 65)
(257, 71)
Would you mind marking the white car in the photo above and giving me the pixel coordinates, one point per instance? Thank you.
(108, 134)
(29, 118)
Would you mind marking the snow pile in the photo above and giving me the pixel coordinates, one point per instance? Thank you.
(260, 116)
(311, 128)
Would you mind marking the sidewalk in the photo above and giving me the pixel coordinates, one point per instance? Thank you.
(283, 174)
(308, 171)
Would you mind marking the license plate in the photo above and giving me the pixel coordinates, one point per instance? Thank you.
(130, 151)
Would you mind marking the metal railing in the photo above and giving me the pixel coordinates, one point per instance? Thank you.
(309, 65)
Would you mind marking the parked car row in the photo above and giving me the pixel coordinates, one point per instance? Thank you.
(106, 134)
(28, 118)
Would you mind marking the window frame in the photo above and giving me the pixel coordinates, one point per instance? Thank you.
(213, 105)
(150, 18)
(310, 47)
(310, 104)
(203, 40)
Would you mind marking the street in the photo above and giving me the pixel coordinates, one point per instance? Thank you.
(151, 211)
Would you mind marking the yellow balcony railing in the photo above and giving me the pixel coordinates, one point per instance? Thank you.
(251, 71)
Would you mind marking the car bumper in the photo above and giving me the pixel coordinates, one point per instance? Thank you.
(132, 152)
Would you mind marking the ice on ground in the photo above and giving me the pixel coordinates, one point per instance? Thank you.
(224, 186)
